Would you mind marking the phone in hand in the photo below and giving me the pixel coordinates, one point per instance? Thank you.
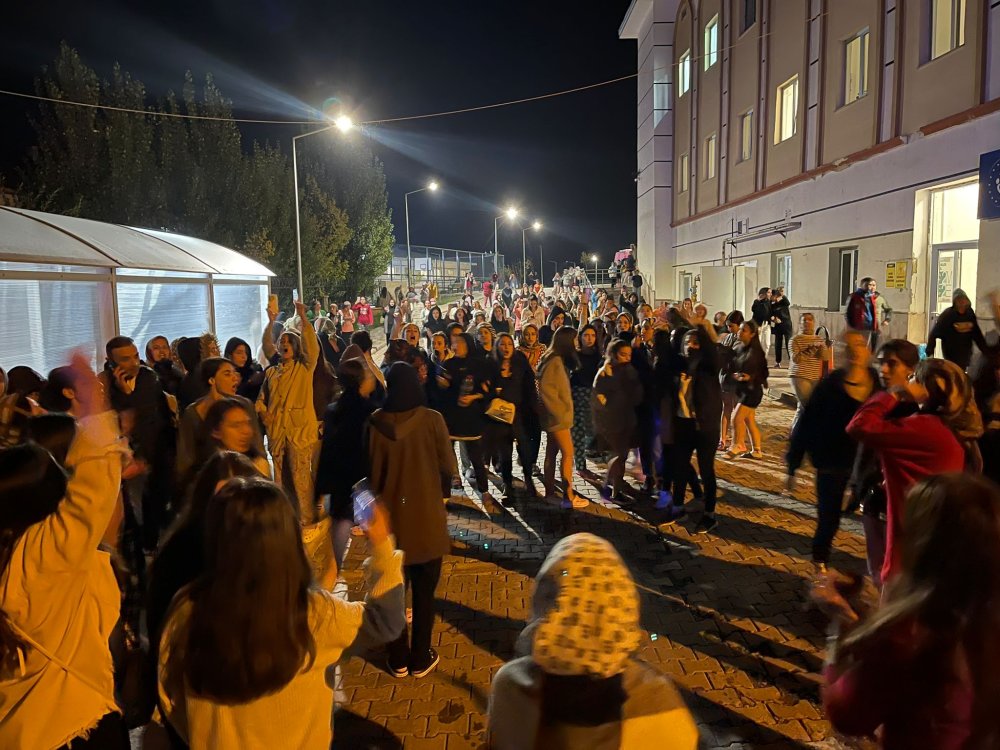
(364, 503)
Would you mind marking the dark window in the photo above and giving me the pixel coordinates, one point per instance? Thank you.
(749, 14)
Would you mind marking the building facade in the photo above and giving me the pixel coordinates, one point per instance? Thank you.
(811, 143)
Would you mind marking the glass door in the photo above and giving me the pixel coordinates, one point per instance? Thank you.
(955, 267)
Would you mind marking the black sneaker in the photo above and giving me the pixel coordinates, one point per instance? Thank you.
(705, 525)
(397, 672)
(424, 671)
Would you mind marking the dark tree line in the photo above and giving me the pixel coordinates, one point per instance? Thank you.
(199, 177)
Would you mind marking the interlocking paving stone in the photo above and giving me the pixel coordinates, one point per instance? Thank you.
(723, 614)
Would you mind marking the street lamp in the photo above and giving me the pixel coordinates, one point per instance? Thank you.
(432, 186)
(537, 225)
(344, 123)
(593, 259)
(510, 213)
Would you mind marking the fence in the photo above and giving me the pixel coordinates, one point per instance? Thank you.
(444, 266)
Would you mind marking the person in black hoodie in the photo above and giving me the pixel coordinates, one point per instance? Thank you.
(191, 387)
(781, 324)
(822, 433)
(760, 313)
(645, 411)
(697, 420)
(465, 382)
(581, 383)
(555, 321)
(958, 329)
(512, 377)
(251, 373)
(343, 456)
(158, 357)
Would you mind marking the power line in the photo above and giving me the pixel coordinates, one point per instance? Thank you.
(182, 116)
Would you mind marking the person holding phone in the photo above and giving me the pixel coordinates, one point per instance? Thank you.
(411, 466)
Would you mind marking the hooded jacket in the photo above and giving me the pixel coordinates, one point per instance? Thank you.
(958, 332)
(580, 684)
(191, 387)
(251, 374)
(412, 463)
(617, 392)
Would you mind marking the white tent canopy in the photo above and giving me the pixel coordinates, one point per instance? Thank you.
(69, 283)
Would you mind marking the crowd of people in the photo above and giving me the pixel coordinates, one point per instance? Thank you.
(186, 489)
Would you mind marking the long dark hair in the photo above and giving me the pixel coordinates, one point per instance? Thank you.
(949, 586)
(563, 345)
(217, 412)
(248, 634)
(26, 471)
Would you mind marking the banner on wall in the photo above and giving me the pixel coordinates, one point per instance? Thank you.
(989, 185)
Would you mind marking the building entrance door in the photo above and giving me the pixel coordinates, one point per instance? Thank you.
(955, 267)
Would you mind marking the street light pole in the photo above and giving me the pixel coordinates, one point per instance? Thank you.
(432, 186)
(510, 213)
(343, 124)
(537, 225)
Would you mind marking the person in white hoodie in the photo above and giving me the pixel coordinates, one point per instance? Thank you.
(59, 600)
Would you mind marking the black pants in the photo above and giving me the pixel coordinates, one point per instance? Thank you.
(618, 444)
(689, 439)
(476, 451)
(109, 734)
(532, 445)
(781, 339)
(500, 448)
(414, 652)
(647, 431)
(830, 488)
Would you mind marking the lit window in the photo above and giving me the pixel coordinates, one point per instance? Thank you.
(856, 67)
(710, 157)
(749, 15)
(786, 110)
(684, 173)
(684, 73)
(746, 135)
(711, 49)
(947, 26)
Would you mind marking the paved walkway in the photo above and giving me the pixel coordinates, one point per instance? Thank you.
(723, 614)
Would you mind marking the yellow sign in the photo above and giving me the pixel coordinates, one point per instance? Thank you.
(895, 274)
(901, 268)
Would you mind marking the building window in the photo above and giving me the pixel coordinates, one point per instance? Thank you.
(684, 173)
(684, 73)
(847, 280)
(784, 273)
(749, 15)
(786, 110)
(711, 48)
(746, 135)
(947, 26)
(710, 157)
(856, 67)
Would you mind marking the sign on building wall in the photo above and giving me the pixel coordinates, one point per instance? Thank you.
(895, 274)
(989, 185)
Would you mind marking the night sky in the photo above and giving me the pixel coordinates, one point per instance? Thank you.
(569, 161)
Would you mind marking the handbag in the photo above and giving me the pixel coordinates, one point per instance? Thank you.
(501, 411)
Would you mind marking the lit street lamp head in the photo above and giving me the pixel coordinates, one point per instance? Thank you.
(432, 186)
(344, 123)
(511, 213)
(593, 258)
(536, 226)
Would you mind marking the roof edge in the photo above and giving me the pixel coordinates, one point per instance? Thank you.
(634, 16)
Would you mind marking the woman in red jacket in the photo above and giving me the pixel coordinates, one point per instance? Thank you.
(940, 437)
(926, 666)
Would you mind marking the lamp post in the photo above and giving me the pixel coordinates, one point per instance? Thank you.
(432, 186)
(343, 124)
(537, 225)
(510, 213)
(593, 259)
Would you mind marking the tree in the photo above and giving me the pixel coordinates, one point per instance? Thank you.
(195, 176)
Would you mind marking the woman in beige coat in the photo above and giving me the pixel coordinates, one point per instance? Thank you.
(556, 399)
